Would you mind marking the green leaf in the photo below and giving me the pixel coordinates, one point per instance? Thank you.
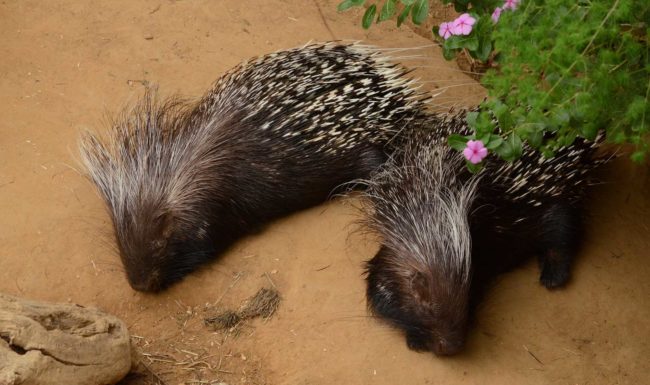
(456, 41)
(517, 145)
(567, 139)
(405, 13)
(548, 153)
(369, 16)
(470, 118)
(491, 141)
(344, 5)
(388, 10)
(407, 2)
(474, 168)
(560, 117)
(510, 149)
(638, 156)
(494, 143)
(619, 138)
(589, 130)
(535, 138)
(420, 11)
(457, 142)
(453, 42)
(447, 53)
(504, 150)
(483, 29)
(484, 124)
(502, 113)
(532, 132)
(484, 50)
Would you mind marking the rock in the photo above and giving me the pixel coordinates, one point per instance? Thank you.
(52, 344)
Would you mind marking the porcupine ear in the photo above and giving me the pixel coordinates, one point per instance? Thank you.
(420, 287)
(167, 224)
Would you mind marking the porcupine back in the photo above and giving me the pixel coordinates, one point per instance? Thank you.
(445, 232)
(276, 134)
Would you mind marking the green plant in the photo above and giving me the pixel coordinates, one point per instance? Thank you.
(417, 9)
(562, 69)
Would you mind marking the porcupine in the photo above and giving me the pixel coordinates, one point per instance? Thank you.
(276, 134)
(446, 233)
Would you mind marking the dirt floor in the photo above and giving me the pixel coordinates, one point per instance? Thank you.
(65, 64)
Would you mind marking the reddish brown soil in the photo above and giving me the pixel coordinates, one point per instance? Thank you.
(64, 64)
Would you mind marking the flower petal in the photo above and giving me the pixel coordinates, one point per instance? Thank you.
(474, 159)
(496, 14)
(462, 29)
(468, 153)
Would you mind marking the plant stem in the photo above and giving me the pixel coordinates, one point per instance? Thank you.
(647, 92)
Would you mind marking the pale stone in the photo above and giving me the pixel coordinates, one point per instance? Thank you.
(53, 344)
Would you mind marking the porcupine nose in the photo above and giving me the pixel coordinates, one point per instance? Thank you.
(443, 347)
(150, 284)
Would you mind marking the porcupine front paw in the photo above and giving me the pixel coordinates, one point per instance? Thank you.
(416, 342)
(555, 270)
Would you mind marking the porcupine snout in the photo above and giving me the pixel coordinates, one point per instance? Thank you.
(429, 304)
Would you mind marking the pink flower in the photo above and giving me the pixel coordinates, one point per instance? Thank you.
(475, 151)
(511, 4)
(463, 24)
(446, 30)
(496, 14)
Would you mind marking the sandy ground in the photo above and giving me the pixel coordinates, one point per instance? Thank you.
(65, 64)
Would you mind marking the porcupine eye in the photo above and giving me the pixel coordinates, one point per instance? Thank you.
(158, 244)
(186, 246)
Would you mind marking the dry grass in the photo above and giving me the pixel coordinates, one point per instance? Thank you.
(183, 356)
(263, 304)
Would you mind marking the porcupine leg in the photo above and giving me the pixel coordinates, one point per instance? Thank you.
(561, 225)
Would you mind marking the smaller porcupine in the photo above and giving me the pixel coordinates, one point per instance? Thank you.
(276, 134)
(445, 232)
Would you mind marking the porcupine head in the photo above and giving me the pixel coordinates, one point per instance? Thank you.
(419, 280)
(143, 171)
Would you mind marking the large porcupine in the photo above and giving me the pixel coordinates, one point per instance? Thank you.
(445, 232)
(276, 134)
